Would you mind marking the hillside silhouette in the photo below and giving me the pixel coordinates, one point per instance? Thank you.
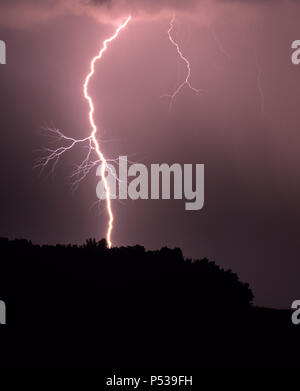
(88, 306)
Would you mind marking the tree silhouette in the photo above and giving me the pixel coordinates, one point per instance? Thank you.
(90, 306)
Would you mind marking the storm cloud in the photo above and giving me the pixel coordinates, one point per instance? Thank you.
(20, 14)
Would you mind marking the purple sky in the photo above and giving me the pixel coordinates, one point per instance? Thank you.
(250, 222)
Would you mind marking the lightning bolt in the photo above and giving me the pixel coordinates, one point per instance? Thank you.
(186, 81)
(94, 128)
(92, 143)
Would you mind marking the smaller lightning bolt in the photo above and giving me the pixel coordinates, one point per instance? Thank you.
(186, 81)
(53, 155)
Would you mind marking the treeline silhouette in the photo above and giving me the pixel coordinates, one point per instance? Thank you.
(87, 306)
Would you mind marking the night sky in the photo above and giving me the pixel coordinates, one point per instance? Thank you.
(244, 127)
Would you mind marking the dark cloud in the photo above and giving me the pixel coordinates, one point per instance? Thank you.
(18, 13)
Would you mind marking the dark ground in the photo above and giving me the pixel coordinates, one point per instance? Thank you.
(87, 307)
